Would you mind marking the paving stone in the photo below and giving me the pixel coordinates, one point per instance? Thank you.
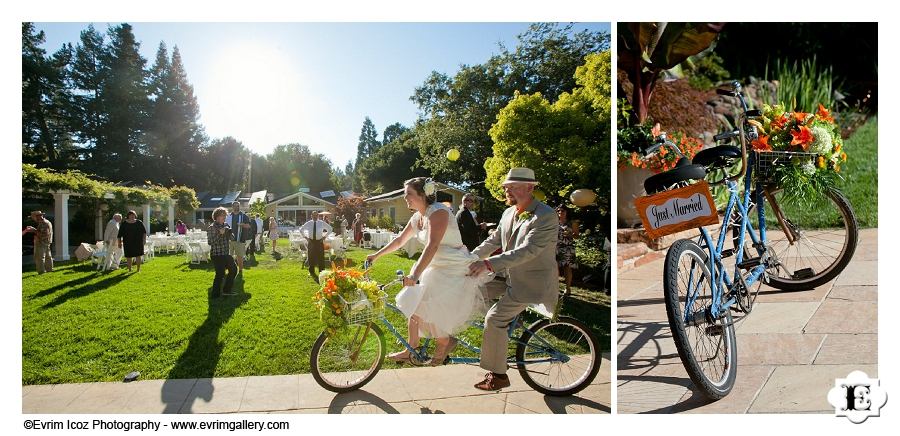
(750, 380)
(626, 289)
(215, 395)
(772, 295)
(803, 388)
(837, 316)
(777, 348)
(271, 393)
(52, 398)
(777, 318)
(848, 349)
(854, 293)
(107, 397)
(859, 273)
(158, 396)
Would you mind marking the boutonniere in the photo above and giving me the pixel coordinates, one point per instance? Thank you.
(524, 215)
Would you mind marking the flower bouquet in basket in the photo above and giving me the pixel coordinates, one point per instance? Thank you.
(346, 297)
(799, 152)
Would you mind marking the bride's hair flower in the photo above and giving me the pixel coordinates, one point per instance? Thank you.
(429, 187)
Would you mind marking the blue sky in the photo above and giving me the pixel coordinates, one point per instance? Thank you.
(313, 83)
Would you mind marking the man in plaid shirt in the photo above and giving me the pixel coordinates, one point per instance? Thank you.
(218, 235)
(43, 237)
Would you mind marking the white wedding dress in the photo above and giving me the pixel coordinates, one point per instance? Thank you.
(446, 297)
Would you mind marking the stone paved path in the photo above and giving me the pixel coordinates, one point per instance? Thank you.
(790, 349)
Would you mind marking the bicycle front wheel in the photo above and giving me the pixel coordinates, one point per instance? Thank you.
(348, 359)
(815, 244)
(706, 345)
(559, 357)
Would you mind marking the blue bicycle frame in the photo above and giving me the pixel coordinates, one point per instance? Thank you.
(719, 304)
(555, 355)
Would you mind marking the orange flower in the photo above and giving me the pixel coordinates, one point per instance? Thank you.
(820, 162)
(779, 122)
(844, 156)
(824, 114)
(802, 137)
(800, 116)
(635, 160)
(837, 168)
(761, 144)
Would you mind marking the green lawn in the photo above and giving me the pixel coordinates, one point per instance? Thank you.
(82, 326)
(860, 172)
(859, 184)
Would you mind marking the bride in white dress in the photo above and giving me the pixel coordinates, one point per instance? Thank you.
(447, 296)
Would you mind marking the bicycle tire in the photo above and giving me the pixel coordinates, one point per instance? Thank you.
(327, 366)
(713, 375)
(829, 260)
(587, 342)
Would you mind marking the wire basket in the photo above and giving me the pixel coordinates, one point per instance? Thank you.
(766, 164)
(361, 310)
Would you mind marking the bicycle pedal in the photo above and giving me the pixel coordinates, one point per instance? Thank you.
(750, 263)
(804, 273)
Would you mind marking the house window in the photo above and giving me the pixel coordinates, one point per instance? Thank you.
(393, 214)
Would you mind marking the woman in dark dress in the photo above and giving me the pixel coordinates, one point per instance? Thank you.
(132, 238)
(565, 246)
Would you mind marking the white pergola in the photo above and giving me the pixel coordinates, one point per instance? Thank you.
(61, 216)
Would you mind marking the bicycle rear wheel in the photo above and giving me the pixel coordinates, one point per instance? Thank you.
(559, 357)
(815, 245)
(706, 346)
(348, 359)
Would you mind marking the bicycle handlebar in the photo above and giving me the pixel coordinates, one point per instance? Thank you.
(663, 141)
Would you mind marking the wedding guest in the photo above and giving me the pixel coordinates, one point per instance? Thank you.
(180, 227)
(43, 237)
(240, 234)
(259, 231)
(219, 237)
(110, 238)
(273, 232)
(358, 229)
(467, 220)
(315, 232)
(132, 239)
(565, 245)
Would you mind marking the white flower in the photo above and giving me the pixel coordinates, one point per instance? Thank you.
(809, 168)
(821, 140)
(429, 187)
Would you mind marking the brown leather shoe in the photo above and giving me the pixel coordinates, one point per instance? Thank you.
(493, 383)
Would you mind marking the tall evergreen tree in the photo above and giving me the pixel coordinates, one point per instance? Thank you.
(46, 137)
(368, 144)
(88, 74)
(126, 103)
(393, 132)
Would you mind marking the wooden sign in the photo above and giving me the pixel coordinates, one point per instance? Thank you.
(676, 210)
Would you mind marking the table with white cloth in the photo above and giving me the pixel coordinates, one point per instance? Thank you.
(380, 239)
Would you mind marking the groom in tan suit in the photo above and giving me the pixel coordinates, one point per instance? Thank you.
(526, 235)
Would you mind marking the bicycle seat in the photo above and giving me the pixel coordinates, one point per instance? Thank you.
(722, 156)
(683, 171)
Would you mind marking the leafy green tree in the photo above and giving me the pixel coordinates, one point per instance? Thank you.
(566, 142)
(224, 165)
(457, 112)
(393, 132)
(368, 144)
(258, 207)
(292, 166)
(391, 165)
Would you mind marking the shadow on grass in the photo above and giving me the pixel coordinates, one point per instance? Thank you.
(84, 290)
(201, 357)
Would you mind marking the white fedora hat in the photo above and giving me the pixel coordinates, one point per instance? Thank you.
(520, 175)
